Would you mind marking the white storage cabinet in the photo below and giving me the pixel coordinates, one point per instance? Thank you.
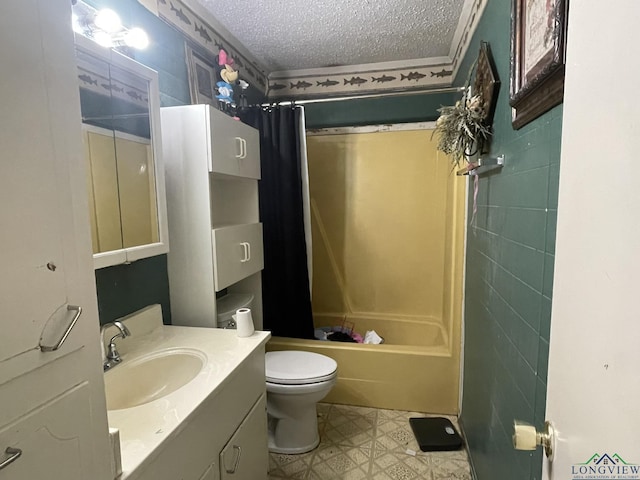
(212, 166)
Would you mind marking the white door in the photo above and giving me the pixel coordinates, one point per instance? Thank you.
(594, 363)
(52, 400)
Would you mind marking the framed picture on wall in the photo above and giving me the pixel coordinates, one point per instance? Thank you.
(486, 82)
(487, 85)
(202, 77)
(538, 39)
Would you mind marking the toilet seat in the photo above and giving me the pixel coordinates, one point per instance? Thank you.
(298, 368)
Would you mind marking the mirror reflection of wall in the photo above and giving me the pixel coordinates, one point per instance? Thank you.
(121, 140)
(121, 186)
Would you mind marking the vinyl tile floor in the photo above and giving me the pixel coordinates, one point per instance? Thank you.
(358, 443)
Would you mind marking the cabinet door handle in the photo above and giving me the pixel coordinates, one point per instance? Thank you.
(244, 148)
(245, 252)
(72, 323)
(248, 252)
(237, 462)
(239, 143)
(14, 454)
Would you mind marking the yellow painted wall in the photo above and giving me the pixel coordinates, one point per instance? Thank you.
(91, 194)
(104, 179)
(122, 194)
(136, 186)
(380, 213)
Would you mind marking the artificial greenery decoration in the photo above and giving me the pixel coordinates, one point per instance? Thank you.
(461, 128)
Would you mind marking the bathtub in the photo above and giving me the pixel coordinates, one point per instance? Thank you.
(420, 377)
(390, 261)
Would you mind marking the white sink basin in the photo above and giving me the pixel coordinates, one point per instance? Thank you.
(151, 377)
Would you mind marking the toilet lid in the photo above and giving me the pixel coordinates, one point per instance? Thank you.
(295, 367)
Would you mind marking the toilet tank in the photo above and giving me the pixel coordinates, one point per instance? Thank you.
(228, 305)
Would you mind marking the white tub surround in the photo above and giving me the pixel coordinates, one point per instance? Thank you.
(197, 431)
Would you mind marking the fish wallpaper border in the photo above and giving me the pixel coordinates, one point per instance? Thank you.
(421, 75)
(180, 16)
(361, 82)
(363, 79)
(89, 79)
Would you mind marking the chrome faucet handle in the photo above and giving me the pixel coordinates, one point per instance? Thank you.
(112, 355)
(124, 331)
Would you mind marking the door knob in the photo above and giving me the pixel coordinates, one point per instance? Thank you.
(526, 437)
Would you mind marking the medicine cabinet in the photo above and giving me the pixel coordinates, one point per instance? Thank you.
(120, 104)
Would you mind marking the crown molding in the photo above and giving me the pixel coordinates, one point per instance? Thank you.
(362, 68)
(415, 74)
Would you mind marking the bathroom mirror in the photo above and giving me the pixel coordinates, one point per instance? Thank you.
(120, 107)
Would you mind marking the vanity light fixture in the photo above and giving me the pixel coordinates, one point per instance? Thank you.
(105, 28)
(108, 21)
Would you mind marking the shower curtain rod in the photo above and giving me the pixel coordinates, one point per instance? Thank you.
(372, 95)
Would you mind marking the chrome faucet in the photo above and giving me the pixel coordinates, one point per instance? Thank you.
(112, 357)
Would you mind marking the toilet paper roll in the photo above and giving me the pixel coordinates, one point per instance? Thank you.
(244, 322)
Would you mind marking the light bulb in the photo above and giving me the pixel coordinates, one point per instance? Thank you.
(103, 39)
(136, 38)
(75, 24)
(108, 20)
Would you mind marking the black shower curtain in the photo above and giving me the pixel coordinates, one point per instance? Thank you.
(285, 279)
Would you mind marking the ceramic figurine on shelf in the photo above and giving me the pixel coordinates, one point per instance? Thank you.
(228, 77)
(224, 59)
(228, 74)
(225, 92)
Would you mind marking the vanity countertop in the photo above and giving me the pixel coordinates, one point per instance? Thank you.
(144, 428)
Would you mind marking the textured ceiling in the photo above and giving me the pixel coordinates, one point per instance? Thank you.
(302, 34)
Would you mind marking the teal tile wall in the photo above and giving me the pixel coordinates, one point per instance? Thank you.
(123, 289)
(509, 276)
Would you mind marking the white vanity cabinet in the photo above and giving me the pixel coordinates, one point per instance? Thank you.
(225, 438)
(212, 168)
(53, 421)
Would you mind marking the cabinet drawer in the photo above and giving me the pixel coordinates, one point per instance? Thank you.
(234, 148)
(237, 253)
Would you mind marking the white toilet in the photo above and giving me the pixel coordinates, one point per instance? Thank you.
(296, 382)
